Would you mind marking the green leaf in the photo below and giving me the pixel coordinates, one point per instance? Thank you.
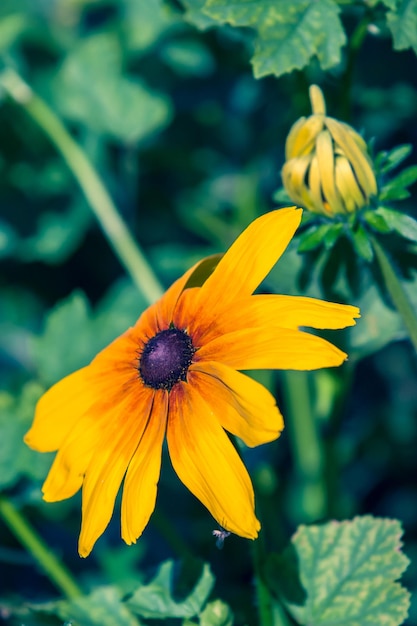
(11, 28)
(195, 15)
(403, 25)
(156, 599)
(348, 571)
(90, 88)
(66, 343)
(314, 237)
(145, 22)
(216, 613)
(391, 4)
(16, 459)
(58, 235)
(8, 239)
(361, 243)
(403, 224)
(288, 35)
(188, 58)
(103, 607)
(378, 326)
(73, 334)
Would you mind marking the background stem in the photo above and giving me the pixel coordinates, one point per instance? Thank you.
(115, 229)
(306, 445)
(28, 537)
(355, 44)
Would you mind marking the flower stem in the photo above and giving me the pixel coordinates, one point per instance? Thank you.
(305, 443)
(115, 229)
(396, 290)
(262, 591)
(28, 537)
(355, 44)
(270, 610)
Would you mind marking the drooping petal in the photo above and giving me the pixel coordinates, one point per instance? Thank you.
(348, 185)
(302, 136)
(125, 425)
(243, 406)
(250, 258)
(140, 484)
(314, 186)
(325, 159)
(294, 177)
(207, 463)
(271, 348)
(357, 156)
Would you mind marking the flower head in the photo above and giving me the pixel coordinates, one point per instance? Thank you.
(327, 168)
(175, 375)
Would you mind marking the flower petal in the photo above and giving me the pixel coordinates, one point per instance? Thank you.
(264, 311)
(250, 258)
(271, 348)
(59, 409)
(140, 484)
(125, 425)
(207, 463)
(243, 406)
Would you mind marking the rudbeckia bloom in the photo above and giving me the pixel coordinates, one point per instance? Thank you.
(174, 375)
(327, 168)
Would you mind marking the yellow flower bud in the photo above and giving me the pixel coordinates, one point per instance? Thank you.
(327, 168)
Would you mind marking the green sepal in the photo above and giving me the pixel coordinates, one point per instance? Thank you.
(280, 196)
(376, 221)
(403, 224)
(396, 189)
(314, 238)
(388, 160)
(202, 271)
(361, 243)
(333, 235)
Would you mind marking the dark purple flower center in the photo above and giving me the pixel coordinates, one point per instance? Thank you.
(165, 359)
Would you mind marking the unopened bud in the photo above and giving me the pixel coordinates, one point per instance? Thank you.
(327, 168)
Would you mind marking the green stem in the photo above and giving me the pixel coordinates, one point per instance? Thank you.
(305, 443)
(397, 292)
(355, 44)
(262, 591)
(270, 611)
(122, 242)
(28, 537)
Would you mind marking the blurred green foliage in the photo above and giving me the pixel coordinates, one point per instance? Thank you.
(161, 97)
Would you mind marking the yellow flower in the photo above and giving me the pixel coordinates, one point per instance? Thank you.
(327, 168)
(174, 375)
